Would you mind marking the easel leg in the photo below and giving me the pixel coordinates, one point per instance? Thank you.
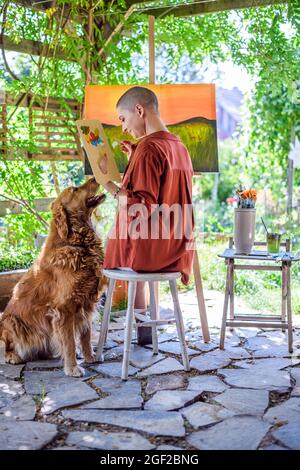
(179, 325)
(231, 291)
(156, 292)
(289, 309)
(200, 298)
(225, 308)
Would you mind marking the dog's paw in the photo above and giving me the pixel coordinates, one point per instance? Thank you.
(90, 359)
(12, 358)
(75, 371)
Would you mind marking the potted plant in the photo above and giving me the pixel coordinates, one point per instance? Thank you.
(244, 221)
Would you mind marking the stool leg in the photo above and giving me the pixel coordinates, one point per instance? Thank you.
(289, 309)
(105, 321)
(179, 324)
(128, 328)
(225, 309)
(153, 314)
(200, 298)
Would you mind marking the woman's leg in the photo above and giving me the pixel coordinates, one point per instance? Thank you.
(140, 296)
(144, 334)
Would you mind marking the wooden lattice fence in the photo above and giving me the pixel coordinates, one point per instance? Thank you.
(50, 127)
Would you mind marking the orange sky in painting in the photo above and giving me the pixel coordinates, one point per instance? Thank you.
(176, 102)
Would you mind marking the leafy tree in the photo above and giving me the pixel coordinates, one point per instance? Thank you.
(264, 40)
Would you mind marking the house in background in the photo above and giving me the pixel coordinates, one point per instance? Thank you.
(228, 111)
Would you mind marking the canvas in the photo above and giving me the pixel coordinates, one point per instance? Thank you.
(98, 151)
(189, 111)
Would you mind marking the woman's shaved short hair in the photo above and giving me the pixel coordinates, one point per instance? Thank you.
(138, 95)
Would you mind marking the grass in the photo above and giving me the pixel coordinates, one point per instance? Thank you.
(40, 397)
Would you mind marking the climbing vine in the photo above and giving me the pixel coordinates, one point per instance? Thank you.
(91, 41)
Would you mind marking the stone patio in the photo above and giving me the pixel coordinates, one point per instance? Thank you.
(246, 397)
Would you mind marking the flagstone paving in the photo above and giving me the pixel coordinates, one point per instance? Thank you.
(173, 347)
(289, 435)
(164, 382)
(210, 361)
(285, 412)
(109, 441)
(10, 371)
(245, 397)
(243, 401)
(295, 373)
(67, 395)
(167, 365)
(207, 383)
(202, 414)
(155, 423)
(237, 433)
(164, 400)
(22, 409)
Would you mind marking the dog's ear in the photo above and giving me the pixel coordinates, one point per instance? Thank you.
(61, 220)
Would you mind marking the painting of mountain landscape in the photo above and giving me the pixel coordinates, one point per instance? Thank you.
(189, 111)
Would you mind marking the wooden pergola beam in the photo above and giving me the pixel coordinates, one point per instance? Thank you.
(198, 7)
(28, 46)
(193, 8)
(35, 4)
(40, 6)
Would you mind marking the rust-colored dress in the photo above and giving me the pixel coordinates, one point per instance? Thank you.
(159, 173)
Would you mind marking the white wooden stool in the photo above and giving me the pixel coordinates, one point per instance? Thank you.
(133, 277)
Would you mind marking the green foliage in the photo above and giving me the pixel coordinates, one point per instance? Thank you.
(21, 230)
(11, 259)
(264, 40)
(218, 218)
(23, 181)
(199, 37)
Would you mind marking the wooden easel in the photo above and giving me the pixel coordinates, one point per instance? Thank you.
(196, 266)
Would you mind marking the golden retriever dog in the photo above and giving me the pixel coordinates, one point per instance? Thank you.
(53, 303)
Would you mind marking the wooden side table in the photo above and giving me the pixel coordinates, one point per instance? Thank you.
(282, 321)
